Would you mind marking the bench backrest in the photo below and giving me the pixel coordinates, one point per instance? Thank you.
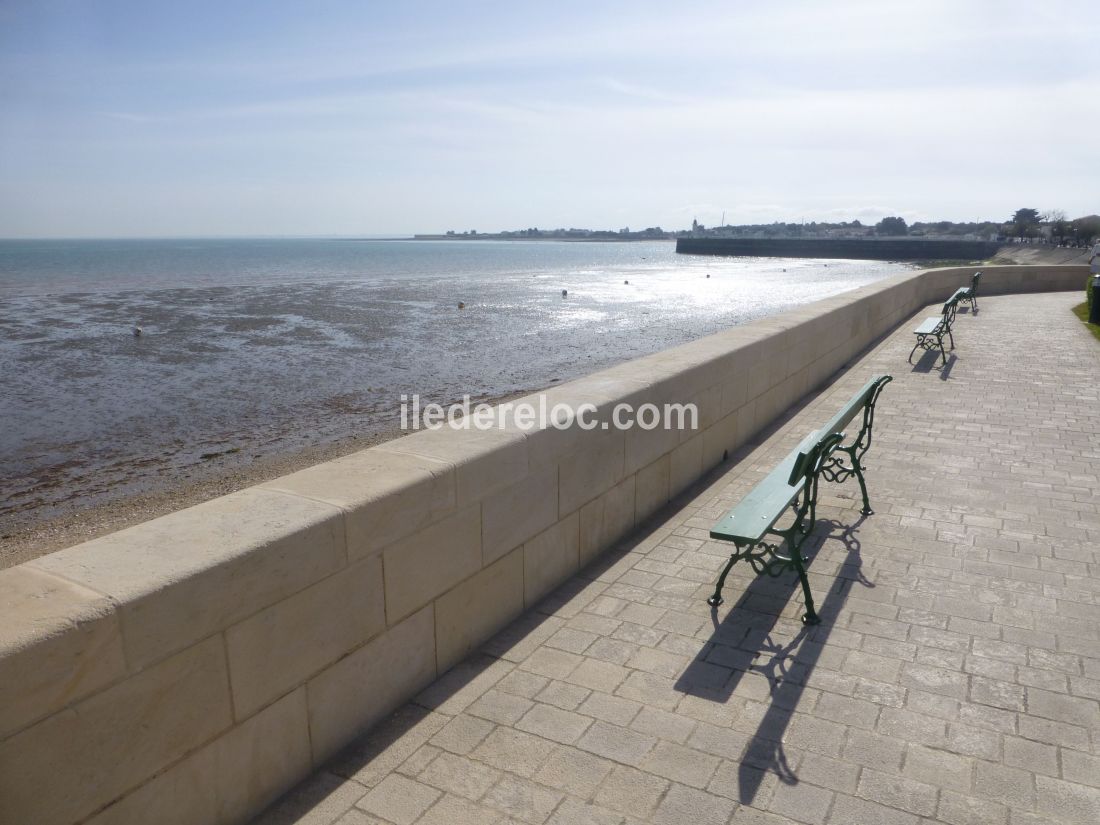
(974, 283)
(869, 393)
(831, 435)
(949, 309)
(809, 462)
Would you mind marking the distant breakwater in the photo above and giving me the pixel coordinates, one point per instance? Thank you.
(899, 249)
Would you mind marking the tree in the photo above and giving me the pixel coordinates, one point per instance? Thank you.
(1060, 228)
(1025, 223)
(891, 226)
(1086, 228)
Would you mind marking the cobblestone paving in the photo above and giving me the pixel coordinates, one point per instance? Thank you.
(955, 679)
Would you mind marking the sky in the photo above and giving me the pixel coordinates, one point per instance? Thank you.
(160, 119)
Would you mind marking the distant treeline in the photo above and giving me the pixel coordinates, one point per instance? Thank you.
(1025, 224)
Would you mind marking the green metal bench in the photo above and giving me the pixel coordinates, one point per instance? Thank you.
(932, 330)
(969, 293)
(751, 525)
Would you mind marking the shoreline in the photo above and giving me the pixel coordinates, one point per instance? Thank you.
(37, 537)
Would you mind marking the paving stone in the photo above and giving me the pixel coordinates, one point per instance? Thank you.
(613, 709)
(1035, 757)
(801, 802)
(551, 663)
(462, 734)
(1081, 768)
(511, 750)
(463, 777)
(1067, 801)
(957, 809)
(631, 792)
(617, 744)
(688, 805)
(576, 812)
(522, 683)
(874, 750)
(598, 675)
(680, 764)
(500, 707)
(611, 650)
(897, 792)
(419, 761)
(563, 695)
(998, 694)
(940, 768)
(554, 723)
(664, 725)
(848, 810)
(572, 640)
(399, 800)
(724, 742)
(1011, 786)
(523, 799)
(574, 771)
(453, 810)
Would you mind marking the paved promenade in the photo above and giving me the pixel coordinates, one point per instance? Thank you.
(955, 679)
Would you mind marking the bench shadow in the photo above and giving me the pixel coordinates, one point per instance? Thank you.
(746, 640)
(930, 359)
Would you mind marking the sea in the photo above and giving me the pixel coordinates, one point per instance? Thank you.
(258, 347)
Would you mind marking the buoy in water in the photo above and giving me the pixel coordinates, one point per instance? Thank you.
(138, 331)
(626, 282)
(462, 305)
(708, 274)
(564, 293)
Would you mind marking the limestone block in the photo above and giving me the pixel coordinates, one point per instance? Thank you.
(550, 558)
(686, 465)
(748, 422)
(69, 765)
(385, 496)
(720, 439)
(484, 461)
(181, 577)
(230, 780)
(513, 515)
(602, 391)
(363, 687)
(651, 488)
(769, 371)
(587, 473)
(470, 613)
(59, 642)
(420, 567)
(643, 447)
(606, 519)
(734, 392)
(708, 406)
(282, 646)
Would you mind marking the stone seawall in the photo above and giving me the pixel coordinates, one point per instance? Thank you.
(192, 668)
(887, 249)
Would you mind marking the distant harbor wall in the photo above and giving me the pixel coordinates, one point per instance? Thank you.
(887, 249)
(191, 669)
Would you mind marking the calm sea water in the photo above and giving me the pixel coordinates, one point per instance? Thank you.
(263, 346)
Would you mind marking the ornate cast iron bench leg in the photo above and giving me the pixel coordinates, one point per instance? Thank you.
(717, 599)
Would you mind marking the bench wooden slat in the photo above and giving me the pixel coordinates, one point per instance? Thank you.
(766, 502)
(928, 325)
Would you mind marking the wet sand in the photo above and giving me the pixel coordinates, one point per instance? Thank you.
(37, 536)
